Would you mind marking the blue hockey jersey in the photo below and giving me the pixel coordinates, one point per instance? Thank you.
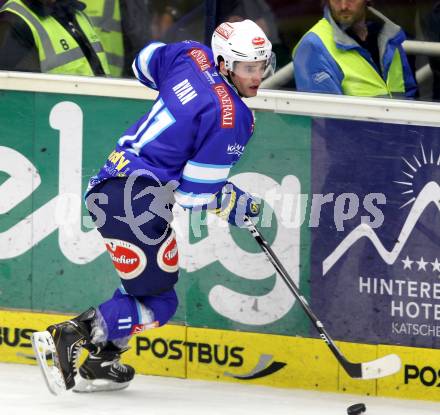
(196, 130)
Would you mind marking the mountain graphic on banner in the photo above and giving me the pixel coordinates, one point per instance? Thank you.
(429, 194)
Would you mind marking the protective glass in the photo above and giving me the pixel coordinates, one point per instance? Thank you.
(260, 69)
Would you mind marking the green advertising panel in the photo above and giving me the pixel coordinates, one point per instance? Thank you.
(52, 259)
(237, 288)
(17, 176)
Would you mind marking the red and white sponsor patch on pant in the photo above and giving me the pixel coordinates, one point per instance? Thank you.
(139, 328)
(128, 259)
(168, 255)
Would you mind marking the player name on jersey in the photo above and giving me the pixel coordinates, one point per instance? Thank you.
(184, 92)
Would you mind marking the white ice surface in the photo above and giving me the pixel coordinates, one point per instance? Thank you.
(22, 391)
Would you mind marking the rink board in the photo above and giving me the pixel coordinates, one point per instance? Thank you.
(255, 358)
(369, 268)
(369, 286)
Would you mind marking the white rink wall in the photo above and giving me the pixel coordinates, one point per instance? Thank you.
(318, 105)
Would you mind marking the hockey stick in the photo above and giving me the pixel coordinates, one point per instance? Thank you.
(378, 368)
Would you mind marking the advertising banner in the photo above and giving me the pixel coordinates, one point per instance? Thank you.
(52, 258)
(246, 358)
(375, 250)
(351, 208)
(48, 149)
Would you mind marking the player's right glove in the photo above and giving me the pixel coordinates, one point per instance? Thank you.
(232, 204)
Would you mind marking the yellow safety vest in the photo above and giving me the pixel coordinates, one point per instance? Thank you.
(106, 17)
(58, 51)
(360, 78)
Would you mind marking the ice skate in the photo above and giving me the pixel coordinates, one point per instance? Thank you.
(61, 343)
(102, 371)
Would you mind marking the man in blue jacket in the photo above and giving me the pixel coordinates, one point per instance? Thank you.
(346, 53)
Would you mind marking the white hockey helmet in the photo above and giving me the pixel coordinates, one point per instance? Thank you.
(241, 41)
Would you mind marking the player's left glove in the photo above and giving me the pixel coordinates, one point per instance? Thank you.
(232, 204)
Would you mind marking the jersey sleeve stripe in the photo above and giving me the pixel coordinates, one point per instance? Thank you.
(142, 61)
(205, 173)
(194, 180)
(211, 166)
(190, 200)
(138, 74)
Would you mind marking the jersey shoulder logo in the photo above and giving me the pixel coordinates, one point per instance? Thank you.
(200, 57)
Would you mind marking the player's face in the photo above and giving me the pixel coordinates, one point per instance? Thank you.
(348, 12)
(247, 77)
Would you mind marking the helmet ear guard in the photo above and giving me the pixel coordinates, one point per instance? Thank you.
(271, 65)
(241, 42)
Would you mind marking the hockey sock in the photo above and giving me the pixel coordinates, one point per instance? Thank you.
(124, 315)
(120, 317)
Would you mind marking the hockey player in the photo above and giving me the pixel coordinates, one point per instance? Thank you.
(180, 151)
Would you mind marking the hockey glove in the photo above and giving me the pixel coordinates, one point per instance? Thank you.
(232, 204)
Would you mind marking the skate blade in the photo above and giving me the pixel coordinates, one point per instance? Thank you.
(44, 349)
(97, 385)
